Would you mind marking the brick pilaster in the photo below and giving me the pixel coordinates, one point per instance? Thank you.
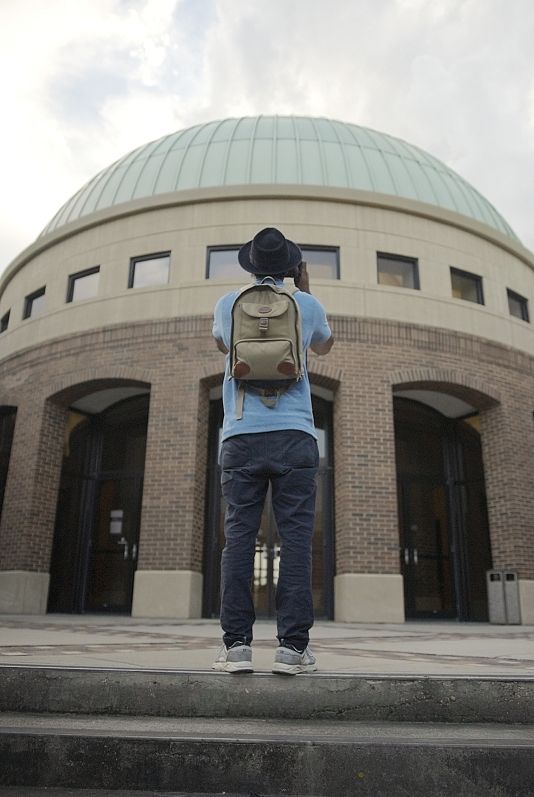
(172, 520)
(367, 539)
(507, 436)
(28, 515)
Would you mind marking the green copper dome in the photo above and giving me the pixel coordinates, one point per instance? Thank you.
(283, 150)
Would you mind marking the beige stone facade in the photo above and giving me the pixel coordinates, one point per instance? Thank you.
(389, 342)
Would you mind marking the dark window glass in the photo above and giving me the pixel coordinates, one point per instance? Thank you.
(7, 428)
(466, 286)
(124, 441)
(4, 322)
(83, 285)
(34, 303)
(518, 305)
(149, 270)
(323, 262)
(401, 272)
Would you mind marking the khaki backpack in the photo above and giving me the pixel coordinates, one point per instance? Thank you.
(266, 353)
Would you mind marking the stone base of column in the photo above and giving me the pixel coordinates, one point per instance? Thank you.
(369, 598)
(167, 593)
(526, 601)
(23, 592)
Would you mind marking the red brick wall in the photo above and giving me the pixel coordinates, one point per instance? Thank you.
(29, 510)
(179, 361)
(376, 356)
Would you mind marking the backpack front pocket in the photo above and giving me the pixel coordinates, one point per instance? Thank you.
(266, 359)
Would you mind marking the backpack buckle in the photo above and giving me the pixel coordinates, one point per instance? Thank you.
(263, 325)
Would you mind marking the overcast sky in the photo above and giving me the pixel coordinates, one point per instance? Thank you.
(85, 81)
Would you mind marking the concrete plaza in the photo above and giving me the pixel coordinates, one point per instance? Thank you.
(418, 648)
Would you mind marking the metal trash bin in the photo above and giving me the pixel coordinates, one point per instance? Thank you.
(497, 611)
(511, 597)
(503, 597)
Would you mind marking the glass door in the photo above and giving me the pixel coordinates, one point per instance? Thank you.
(99, 508)
(443, 526)
(7, 428)
(426, 549)
(266, 562)
(114, 544)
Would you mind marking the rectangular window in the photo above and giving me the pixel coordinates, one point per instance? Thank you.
(222, 262)
(322, 262)
(34, 303)
(517, 305)
(466, 286)
(83, 285)
(4, 321)
(398, 271)
(149, 270)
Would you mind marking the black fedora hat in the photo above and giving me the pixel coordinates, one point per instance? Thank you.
(269, 252)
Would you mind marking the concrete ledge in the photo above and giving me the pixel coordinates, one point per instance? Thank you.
(167, 593)
(369, 598)
(339, 698)
(23, 592)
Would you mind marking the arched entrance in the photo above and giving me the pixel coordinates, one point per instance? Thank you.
(267, 543)
(443, 526)
(96, 535)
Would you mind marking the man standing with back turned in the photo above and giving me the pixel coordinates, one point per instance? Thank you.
(269, 441)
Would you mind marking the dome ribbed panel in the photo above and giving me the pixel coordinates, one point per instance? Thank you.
(283, 150)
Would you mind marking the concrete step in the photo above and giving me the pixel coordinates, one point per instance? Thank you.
(266, 757)
(26, 791)
(163, 693)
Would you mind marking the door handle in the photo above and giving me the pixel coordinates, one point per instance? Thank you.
(124, 541)
(407, 556)
(134, 552)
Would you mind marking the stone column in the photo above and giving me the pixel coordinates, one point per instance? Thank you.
(29, 510)
(507, 433)
(168, 581)
(368, 584)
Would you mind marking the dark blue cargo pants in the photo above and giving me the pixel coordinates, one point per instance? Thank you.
(288, 460)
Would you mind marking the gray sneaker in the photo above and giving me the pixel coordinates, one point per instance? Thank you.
(238, 658)
(288, 661)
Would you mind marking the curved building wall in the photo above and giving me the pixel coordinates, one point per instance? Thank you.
(187, 229)
(388, 341)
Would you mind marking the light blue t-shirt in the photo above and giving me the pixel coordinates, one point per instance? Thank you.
(293, 409)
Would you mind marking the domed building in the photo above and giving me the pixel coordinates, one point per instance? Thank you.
(110, 382)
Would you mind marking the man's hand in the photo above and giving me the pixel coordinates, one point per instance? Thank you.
(302, 282)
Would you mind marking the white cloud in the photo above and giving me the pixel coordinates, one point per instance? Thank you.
(47, 153)
(83, 83)
(453, 77)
